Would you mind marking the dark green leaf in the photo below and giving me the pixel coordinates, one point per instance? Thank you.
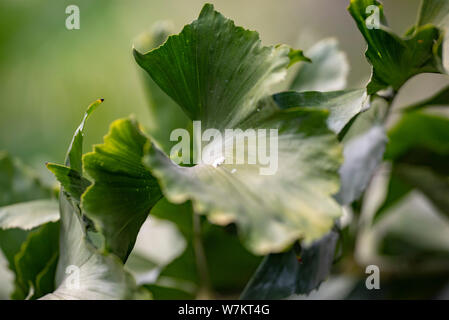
(35, 260)
(164, 112)
(284, 274)
(214, 70)
(124, 191)
(342, 105)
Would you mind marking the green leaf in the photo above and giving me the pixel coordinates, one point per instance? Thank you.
(28, 215)
(284, 274)
(275, 277)
(292, 203)
(418, 130)
(214, 70)
(297, 56)
(164, 112)
(10, 242)
(328, 70)
(220, 74)
(71, 180)
(101, 276)
(36, 260)
(83, 271)
(342, 105)
(419, 153)
(436, 12)
(437, 100)
(395, 59)
(75, 151)
(124, 191)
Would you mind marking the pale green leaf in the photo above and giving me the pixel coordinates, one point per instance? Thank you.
(101, 276)
(28, 215)
(328, 70)
(364, 147)
(292, 203)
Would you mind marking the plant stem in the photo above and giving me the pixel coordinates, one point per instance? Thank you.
(205, 290)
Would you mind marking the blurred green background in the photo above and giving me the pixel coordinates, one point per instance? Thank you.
(49, 74)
